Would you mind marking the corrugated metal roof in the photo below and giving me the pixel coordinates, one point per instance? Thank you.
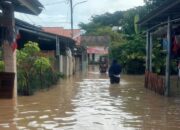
(25, 6)
(160, 14)
(26, 26)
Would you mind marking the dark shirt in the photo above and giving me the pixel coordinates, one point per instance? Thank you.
(115, 69)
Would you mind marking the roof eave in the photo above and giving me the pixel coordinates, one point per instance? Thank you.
(157, 12)
(32, 7)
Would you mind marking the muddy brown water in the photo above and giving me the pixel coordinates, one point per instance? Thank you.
(88, 102)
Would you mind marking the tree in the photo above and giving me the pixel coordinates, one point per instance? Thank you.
(2, 66)
(108, 19)
(29, 63)
(131, 54)
(41, 65)
(129, 17)
(25, 61)
(126, 44)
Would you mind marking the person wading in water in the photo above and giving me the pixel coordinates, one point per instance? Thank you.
(114, 72)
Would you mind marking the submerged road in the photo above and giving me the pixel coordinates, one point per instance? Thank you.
(88, 102)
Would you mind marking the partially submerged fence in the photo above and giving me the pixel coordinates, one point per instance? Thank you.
(154, 82)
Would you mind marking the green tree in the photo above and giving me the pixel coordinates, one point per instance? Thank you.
(131, 54)
(41, 65)
(108, 19)
(30, 65)
(2, 67)
(25, 60)
(126, 44)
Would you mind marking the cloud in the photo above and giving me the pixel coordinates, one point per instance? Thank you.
(59, 14)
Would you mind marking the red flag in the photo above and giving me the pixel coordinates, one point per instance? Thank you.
(14, 46)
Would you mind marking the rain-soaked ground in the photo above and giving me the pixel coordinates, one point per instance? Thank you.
(89, 102)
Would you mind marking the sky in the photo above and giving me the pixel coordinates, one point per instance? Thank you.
(56, 13)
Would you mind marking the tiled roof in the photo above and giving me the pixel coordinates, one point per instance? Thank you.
(64, 32)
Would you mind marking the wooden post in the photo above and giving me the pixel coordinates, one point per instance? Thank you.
(58, 53)
(57, 46)
(168, 60)
(147, 51)
(150, 52)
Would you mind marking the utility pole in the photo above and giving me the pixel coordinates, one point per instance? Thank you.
(72, 11)
(71, 6)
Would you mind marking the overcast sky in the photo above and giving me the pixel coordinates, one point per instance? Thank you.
(57, 12)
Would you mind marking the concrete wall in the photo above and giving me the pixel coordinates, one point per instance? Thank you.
(67, 65)
(61, 64)
(9, 57)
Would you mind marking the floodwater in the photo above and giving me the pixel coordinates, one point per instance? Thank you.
(89, 102)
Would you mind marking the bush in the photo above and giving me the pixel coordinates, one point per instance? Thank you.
(135, 67)
(34, 72)
(2, 67)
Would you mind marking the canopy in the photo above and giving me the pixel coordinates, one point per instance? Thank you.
(25, 6)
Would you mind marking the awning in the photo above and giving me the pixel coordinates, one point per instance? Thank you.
(97, 50)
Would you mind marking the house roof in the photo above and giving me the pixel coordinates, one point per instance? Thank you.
(64, 32)
(61, 31)
(95, 40)
(161, 14)
(25, 6)
(24, 26)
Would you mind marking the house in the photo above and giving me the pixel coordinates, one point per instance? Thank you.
(79, 50)
(96, 46)
(50, 44)
(65, 32)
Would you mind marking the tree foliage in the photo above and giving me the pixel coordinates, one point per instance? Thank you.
(108, 19)
(2, 67)
(127, 45)
(33, 71)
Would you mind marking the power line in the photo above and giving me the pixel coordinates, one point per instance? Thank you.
(55, 3)
(29, 19)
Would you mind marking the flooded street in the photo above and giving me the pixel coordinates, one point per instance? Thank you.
(89, 102)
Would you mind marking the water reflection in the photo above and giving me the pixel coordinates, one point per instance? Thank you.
(89, 102)
(8, 114)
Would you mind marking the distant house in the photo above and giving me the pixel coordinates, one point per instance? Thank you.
(96, 46)
(65, 32)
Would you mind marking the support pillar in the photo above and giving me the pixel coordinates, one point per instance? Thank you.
(148, 51)
(168, 59)
(9, 58)
(58, 53)
(9, 55)
(61, 63)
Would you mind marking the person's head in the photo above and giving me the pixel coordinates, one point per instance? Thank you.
(114, 61)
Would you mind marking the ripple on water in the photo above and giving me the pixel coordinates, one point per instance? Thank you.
(29, 112)
(44, 117)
